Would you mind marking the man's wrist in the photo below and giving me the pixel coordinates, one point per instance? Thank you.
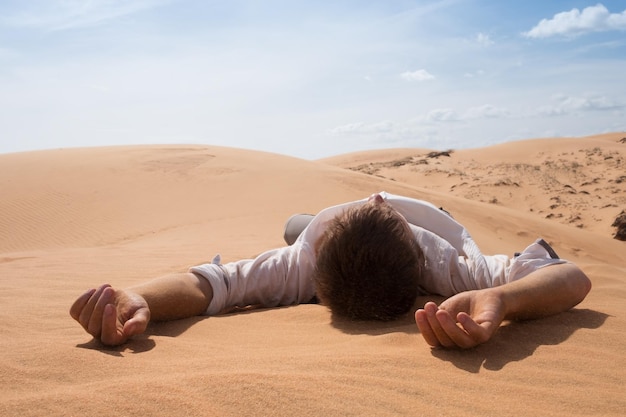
(507, 301)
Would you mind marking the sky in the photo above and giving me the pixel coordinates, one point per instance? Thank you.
(308, 79)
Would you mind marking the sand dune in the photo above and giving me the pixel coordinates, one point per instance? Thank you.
(75, 218)
(579, 182)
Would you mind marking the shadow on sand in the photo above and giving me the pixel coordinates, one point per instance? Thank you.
(513, 341)
(516, 341)
(143, 343)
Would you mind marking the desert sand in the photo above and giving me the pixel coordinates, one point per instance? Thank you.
(71, 219)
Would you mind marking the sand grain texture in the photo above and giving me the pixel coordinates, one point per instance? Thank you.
(75, 218)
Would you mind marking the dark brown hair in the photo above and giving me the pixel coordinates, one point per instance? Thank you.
(368, 264)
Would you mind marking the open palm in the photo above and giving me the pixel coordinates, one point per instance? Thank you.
(464, 320)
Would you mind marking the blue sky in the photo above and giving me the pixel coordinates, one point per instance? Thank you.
(308, 79)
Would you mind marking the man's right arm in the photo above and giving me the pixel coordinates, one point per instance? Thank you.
(114, 315)
(274, 278)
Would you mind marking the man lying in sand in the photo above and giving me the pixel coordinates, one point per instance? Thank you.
(365, 260)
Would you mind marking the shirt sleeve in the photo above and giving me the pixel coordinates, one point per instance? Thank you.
(276, 277)
(447, 273)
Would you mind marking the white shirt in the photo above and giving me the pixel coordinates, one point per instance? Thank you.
(454, 263)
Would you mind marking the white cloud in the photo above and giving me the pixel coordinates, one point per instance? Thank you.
(568, 105)
(435, 118)
(70, 14)
(419, 75)
(486, 111)
(592, 19)
(484, 40)
(477, 73)
(441, 115)
(363, 128)
(347, 128)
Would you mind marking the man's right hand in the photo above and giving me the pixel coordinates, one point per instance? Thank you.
(111, 316)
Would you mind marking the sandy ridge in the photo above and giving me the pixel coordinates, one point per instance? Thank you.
(574, 181)
(74, 218)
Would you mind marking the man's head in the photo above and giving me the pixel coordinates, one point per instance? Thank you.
(368, 263)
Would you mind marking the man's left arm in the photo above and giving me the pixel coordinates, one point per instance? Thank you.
(471, 318)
